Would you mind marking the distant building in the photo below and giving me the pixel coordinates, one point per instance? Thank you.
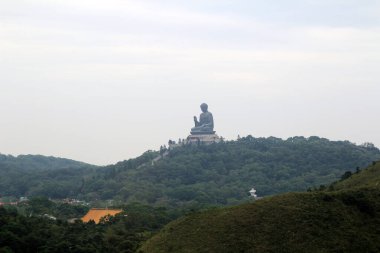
(48, 216)
(23, 199)
(72, 202)
(253, 194)
(73, 220)
(8, 203)
(96, 214)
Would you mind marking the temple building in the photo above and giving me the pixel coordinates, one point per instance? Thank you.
(96, 214)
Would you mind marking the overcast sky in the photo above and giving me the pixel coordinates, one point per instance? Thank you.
(105, 80)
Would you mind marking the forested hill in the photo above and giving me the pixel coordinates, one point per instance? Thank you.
(28, 175)
(198, 176)
(38, 162)
(223, 173)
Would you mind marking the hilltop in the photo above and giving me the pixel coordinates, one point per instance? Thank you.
(223, 173)
(200, 176)
(40, 175)
(344, 220)
(38, 162)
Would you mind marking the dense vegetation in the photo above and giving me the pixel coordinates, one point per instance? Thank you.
(343, 217)
(198, 176)
(42, 206)
(33, 175)
(122, 233)
(223, 173)
(38, 162)
(344, 220)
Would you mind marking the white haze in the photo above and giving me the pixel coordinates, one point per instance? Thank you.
(103, 81)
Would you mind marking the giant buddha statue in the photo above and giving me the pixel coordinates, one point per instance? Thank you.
(205, 125)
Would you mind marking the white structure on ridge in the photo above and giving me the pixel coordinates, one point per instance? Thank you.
(253, 193)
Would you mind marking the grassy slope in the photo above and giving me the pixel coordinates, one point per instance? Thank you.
(369, 178)
(337, 221)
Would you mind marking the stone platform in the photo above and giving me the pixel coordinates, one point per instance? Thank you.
(203, 138)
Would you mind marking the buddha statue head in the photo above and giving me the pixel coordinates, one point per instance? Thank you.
(204, 107)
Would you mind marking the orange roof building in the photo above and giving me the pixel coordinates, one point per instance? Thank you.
(96, 214)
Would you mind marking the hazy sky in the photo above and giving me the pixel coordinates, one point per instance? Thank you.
(104, 80)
